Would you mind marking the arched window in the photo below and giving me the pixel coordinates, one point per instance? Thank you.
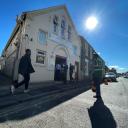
(63, 26)
(55, 23)
(69, 32)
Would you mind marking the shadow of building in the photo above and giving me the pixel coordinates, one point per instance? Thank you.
(41, 99)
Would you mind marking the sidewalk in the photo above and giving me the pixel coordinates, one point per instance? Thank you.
(65, 106)
(49, 94)
(5, 84)
(4, 80)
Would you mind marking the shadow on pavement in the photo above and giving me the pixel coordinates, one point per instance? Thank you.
(101, 116)
(22, 106)
(4, 80)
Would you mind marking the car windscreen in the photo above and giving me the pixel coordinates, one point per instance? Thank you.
(110, 73)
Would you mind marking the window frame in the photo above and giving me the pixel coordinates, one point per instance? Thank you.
(63, 27)
(46, 35)
(39, 53)
(75, 48)
(55, 24)
(69, 32)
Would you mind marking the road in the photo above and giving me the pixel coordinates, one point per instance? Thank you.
(66, 106)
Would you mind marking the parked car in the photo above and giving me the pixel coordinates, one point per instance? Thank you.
(126, 75)
(110, 76)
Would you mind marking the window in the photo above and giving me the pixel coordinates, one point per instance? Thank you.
(75, 49)
(95, 62)
(40, 57)
(63, 26)
(55, 23)
(69, 32)
(88, 51)
(86, 67)
(42, 37)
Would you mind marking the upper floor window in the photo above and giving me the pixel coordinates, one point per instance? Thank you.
(75, 49)
(55, 23)
(89, 51)
(63, 27)
(42, 36)
(95, 63)
(69, 32)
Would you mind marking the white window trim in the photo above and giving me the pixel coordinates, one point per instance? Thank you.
(87, 67)
(69, 39)
(76, 49)
(57, 32)
(63, 36)
(41, 64)
(39, 30)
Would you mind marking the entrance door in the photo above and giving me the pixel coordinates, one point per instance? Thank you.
(58, 62)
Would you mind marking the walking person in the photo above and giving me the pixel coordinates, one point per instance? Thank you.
(71, 69)
(97, 79)
(25, 69)
(58, 72)
(64, 73)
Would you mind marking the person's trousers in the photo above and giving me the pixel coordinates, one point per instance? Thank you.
(64, 77)
(97, 82)
(58, 76)
(24, 81)
(71, 78)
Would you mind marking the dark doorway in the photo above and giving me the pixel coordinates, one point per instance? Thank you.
(77, 70)
(59, 61)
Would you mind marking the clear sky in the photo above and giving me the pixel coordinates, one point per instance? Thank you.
(109, 38)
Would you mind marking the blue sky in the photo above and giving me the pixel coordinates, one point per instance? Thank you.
(110, 38)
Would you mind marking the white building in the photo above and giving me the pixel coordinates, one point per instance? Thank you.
(52, 38)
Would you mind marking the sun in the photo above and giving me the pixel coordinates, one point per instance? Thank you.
(91, 22)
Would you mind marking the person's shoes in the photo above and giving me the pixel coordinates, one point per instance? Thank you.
(26, 90)
(12, 89)
(97, 97)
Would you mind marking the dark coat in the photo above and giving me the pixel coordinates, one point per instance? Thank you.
(25, 66)
(97, 74)
(71, 68)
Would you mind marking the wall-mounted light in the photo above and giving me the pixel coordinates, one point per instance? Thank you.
(26, 36)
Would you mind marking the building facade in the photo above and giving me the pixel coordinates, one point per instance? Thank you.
(86, 59)
(52, 38)
(2, 63)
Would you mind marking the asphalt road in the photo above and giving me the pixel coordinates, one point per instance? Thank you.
(66, 106)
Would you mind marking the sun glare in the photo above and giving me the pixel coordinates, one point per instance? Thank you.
(91, 22)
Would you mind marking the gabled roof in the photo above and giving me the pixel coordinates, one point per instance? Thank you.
(50, 9)
(45, 10)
